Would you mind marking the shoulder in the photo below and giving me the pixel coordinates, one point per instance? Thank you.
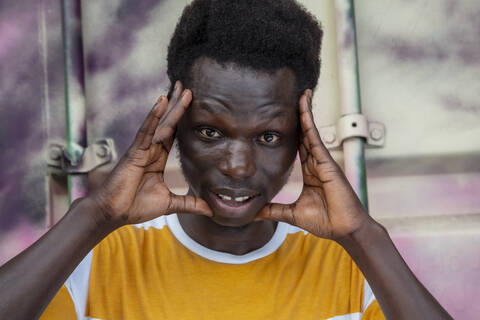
(328, 266)
(158, 223)
(132, 235)
(298, 238)
(316, 256)
(123, 246)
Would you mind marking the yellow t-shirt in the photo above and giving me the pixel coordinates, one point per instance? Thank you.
(155, 270)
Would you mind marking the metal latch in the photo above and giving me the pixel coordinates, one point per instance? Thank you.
(353, 125)
(83, 160)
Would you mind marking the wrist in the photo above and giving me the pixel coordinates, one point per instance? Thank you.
(367, 235)
(92, 216)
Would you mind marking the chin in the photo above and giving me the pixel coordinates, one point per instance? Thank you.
(228, 213)
(235, 222)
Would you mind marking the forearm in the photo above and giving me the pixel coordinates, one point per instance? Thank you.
(398, 291)
(29, 281)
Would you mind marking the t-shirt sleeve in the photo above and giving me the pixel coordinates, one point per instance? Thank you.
(61, 307)
(371, 308)
(70, 302)
(373, 312)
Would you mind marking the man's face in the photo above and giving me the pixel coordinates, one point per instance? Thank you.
(238, 140)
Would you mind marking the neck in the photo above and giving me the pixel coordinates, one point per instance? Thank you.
(234, 240)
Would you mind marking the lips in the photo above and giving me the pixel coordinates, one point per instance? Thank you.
(234, 201)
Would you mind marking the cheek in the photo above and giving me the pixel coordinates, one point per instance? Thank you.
(277, 166)
(195, 157)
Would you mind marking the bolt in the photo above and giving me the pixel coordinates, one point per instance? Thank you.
(329, 137)
(102, 151)
(55, 153)
(376, 134)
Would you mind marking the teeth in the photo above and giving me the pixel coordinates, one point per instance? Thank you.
(237, 199)
(225, 197)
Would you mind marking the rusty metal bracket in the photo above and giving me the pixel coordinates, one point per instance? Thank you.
(353, 125)
(85, 159)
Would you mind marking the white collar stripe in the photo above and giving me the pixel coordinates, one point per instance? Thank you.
(222, 257)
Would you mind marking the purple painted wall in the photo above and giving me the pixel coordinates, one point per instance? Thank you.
(25, 120)
(419, 67)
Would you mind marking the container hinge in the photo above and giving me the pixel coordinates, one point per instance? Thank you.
(83, 160)
(353, 125)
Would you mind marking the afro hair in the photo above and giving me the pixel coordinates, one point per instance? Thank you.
(262, 35)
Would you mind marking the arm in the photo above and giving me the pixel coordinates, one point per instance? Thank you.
(399, 293)
(30, 280)
(329, 208)
(133, 192)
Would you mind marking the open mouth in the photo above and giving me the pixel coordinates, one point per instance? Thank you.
(234, 201)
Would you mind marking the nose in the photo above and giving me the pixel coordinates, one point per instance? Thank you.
(238, 161)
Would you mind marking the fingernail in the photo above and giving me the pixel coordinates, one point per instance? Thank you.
(184, 93)
(176, 85)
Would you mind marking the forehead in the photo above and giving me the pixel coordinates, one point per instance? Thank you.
(231, 83)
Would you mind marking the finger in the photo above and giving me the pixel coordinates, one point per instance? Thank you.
(302, 151)
(165, 131)
(144, 136)
(306, 158)
(177, 92)
(188, 204)
(157, 166)
(278, 212)
(166, 128)
(312, 140)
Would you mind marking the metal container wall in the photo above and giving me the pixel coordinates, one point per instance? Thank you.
(419, 63)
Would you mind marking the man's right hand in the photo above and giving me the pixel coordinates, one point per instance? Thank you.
(135, 190)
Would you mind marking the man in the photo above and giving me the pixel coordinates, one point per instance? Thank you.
(223, 251)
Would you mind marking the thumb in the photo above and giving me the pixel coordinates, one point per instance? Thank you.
(278, 212)
(188, 204)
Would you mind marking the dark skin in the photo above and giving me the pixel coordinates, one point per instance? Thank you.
(236, 163)
(237, 123)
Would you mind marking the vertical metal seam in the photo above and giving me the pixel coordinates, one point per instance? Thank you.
(350, 102)
(74, 93)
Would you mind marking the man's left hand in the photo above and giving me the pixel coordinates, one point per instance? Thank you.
(327, 207)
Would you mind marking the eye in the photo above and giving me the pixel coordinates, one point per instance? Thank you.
(210, 133)
(269, 138)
